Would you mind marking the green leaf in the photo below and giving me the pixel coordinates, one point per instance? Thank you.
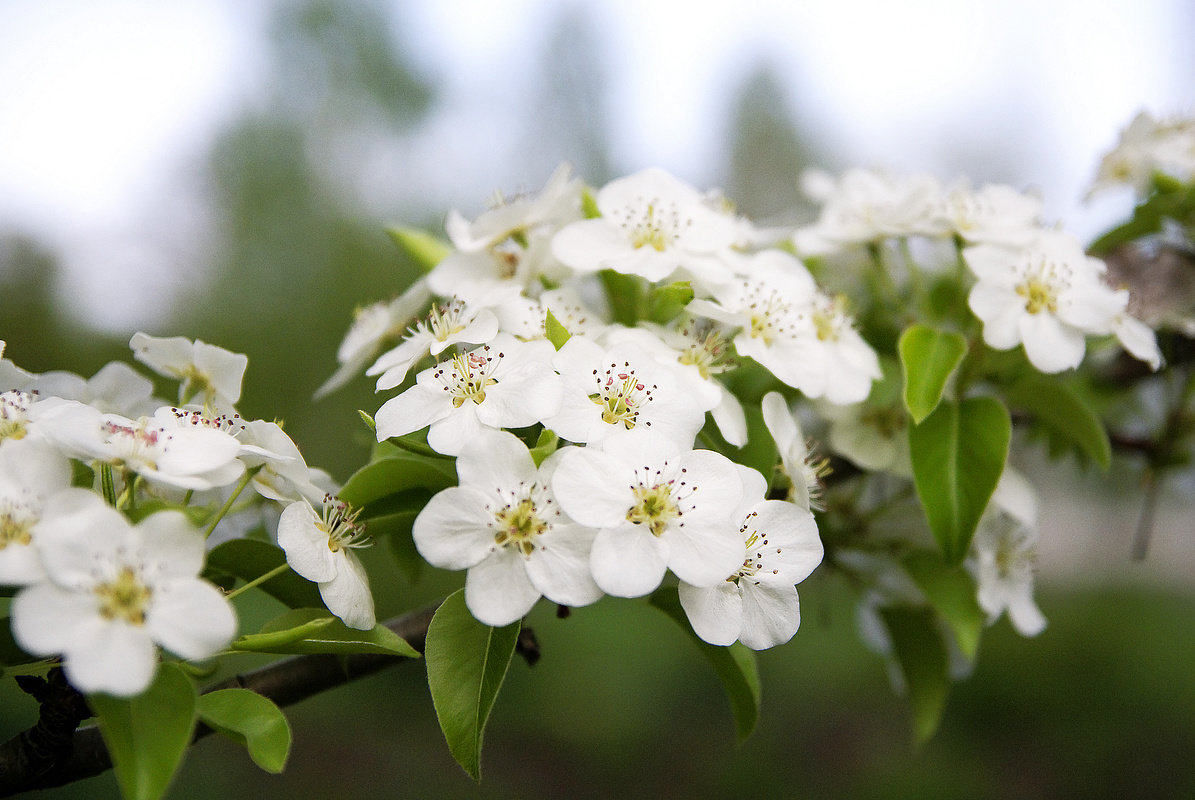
(424, 250)
(589, 205)
(147, 735)
(252, 720)
(393, 475)
(958, 455)
(735, 665)
(928, 356)
(313, 630)
(664, 303)
(466, 664)
(1060, 408)
(11, 653)
(626, 295)
(368, 420)
(759, 453)
(556, 333)
(249, 559)
(921, 655)
(395, 531)
(951, 591)
(544, 446)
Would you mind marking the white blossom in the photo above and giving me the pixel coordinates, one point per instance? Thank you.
(319, 547)
(1005, 555)
(203, 370)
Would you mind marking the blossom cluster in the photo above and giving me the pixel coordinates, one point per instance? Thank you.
(102, 485)
(1147, 148)
(523, 325)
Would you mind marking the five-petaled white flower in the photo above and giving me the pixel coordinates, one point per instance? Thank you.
(1005, 555)
(757, 604)
(504, 384)
(656, 506)
(206, 372)
(116, 590)
(503, 524)
(320, 548)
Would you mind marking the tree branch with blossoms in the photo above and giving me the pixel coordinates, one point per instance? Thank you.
(627, 391)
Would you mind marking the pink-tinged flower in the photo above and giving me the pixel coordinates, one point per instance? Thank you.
(620, 390)
(115, 592)
(656, 507)
(1047, 297)
(319, 547)
(503, 524)
(504, 384)
(205, 372)
(757, 604)
(651, 225)
(446, 324)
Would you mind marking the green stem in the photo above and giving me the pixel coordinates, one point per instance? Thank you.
(214, 521)
(107, 484)
(259, 580)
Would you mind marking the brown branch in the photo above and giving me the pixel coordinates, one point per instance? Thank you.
(48, 755)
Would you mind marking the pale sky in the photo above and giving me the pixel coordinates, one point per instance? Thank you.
(102, 106)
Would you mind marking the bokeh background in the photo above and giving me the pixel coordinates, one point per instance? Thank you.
(225, 171)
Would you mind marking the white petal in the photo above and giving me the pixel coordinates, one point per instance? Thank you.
(348, 595)
(771, 615)
(559, 567)
(596, 503)
(1050, 345)
(111, 657)
(191, 618)
(704, 553)
(46, 618)
(498, 591)
(716, 613)
(452, 529)
(305, 544)
(628, 561)
(410, 411)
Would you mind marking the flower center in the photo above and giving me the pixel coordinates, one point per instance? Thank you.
(15, 527)
(466, 376)
(769, 312)
(756, 545)
(621, 395)
(339, 521)
(705, 348)
(14, 413)
(657, 504)
(136, 444)
(1042, 281)
(652, 225)
(518, 522)
(828, 318)
(124, 597)
(444, 321)
(1039, 296)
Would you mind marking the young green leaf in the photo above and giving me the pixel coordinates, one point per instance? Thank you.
(556, 333)
(466, 664)
(922, 658)
(626, 294)
(735, 665)
(664, 303)
(951, 591)
(1062, 410)
(393, 474)
(252, 720)
(420, 247)
(928, 356)
(545, 446)
(249, 559)
(148, 734)
(958, 455)
(313, 630)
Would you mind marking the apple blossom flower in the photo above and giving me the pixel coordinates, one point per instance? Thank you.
(1146, 147)
(865, 206)
(757, 604)
(994, 214)
(557, 203)
(1004, 554)
(871, 435)
(372, 326)
(202, 369)
(651, 225)
(319, 547)
(804, 472)
(503, 524)
(526, 317)
(620, 389)
(446, 324)
(31, 472)
(115, 591)
(1046, 297)
(656, 506)
(504, 384)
